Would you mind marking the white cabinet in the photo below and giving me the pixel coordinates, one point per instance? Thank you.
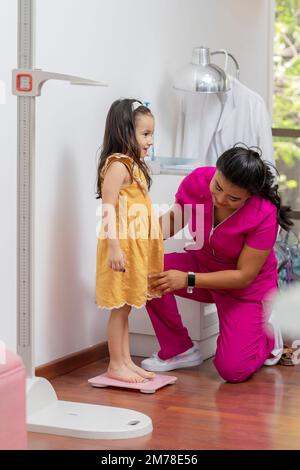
(200, 319)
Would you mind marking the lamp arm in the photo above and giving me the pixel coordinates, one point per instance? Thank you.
(223, 51)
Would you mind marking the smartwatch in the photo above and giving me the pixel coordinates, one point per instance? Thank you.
(191, 282)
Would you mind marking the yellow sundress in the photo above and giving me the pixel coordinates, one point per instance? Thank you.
(140, 239)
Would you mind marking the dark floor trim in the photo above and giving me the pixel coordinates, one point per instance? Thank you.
(66, 364)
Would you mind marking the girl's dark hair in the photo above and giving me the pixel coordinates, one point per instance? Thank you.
(244, 167)
(119, 136)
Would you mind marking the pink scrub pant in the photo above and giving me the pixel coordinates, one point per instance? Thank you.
(243, 343)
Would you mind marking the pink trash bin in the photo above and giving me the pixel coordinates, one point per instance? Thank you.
(13, 434)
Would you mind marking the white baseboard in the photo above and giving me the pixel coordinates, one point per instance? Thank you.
(144, 345)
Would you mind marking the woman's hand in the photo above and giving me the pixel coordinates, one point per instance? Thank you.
(168, 281)
(116, 258)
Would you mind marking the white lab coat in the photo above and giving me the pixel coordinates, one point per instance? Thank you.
(244, 119)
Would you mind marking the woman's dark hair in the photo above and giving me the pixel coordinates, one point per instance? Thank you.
(244, 167)
(119, 136)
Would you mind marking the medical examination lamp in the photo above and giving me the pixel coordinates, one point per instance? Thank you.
(200, 75)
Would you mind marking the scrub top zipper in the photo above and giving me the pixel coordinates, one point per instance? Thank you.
(214, 228)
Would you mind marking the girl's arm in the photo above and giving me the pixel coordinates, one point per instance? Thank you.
(113, 181)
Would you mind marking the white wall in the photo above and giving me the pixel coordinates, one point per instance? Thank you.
(136, 46)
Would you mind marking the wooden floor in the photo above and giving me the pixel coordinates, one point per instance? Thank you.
(199, 412)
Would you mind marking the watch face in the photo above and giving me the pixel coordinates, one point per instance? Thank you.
(191, 279)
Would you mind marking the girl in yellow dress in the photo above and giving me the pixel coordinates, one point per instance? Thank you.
(130, 244)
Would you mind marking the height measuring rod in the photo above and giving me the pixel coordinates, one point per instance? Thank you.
(25, 197)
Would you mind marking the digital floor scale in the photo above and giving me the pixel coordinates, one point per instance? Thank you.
(149, 386)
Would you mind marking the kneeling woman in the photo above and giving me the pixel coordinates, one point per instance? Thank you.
(236, 268)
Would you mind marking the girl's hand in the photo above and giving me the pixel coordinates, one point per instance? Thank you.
(116, 258)
(168, 281)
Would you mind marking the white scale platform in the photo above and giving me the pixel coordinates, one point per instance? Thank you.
(150, 386)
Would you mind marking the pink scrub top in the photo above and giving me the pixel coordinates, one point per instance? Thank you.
(254, 224)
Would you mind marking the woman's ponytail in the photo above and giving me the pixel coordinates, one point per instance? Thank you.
(244, 167)
(269, 191)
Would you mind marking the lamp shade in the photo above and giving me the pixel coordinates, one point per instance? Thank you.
(201, 76)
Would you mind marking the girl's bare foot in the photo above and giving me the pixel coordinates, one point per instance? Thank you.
(125, 374)
(143, 373)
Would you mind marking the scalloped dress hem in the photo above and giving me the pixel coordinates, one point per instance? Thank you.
(130, 305)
